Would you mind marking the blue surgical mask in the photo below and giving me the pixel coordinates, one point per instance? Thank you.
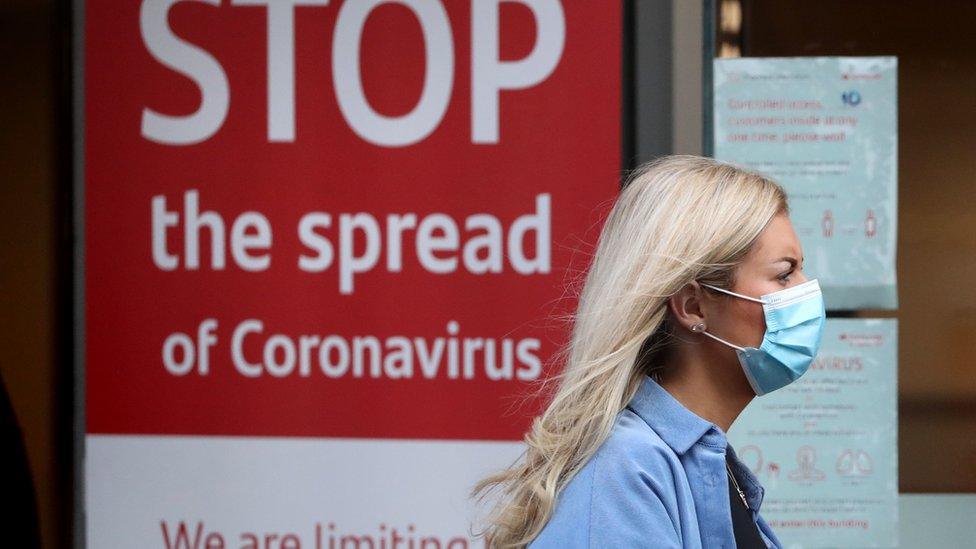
(794, 327)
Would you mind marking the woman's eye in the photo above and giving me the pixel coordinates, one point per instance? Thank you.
(785, 277)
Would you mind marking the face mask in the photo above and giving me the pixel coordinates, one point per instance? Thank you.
(794, 327)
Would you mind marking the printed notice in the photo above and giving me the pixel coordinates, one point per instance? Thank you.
(825, 447)
(826, 129)
(325, 254)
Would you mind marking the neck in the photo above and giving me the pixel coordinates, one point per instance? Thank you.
(712, 390)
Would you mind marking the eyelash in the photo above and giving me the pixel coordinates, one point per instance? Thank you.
(785, 277)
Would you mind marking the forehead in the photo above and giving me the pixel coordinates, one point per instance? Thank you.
(777, 240)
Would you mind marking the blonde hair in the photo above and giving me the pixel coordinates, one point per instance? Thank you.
(678, 218)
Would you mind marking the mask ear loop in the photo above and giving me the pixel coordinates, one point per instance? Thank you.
(733, 293)
(734, 346)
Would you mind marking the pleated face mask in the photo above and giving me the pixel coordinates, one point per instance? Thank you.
(794, 327)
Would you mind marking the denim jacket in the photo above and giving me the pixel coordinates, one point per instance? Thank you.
(659, 480)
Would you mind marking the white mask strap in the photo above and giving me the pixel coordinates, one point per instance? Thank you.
(723, 341)
(733, 293)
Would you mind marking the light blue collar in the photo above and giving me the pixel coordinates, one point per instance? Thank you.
(677, 426)
(680, 428)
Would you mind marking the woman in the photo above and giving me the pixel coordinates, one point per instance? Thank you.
(695, 303)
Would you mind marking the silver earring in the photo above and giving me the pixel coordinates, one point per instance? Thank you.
(700, 327)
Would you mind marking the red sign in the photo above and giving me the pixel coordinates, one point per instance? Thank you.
(341, 219)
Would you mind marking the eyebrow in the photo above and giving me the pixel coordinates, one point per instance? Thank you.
(789, 259)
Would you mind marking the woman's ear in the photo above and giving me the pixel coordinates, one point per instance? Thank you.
(686, 305)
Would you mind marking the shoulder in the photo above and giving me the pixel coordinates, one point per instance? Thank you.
(623, 496)
(634, 458)
(632, 440)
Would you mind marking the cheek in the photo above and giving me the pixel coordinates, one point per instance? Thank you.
(751, 325)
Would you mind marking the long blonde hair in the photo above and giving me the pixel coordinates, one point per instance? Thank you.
(678, 218)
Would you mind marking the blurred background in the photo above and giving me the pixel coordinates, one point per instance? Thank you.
(667, 49)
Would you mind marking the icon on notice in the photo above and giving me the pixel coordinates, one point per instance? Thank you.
(806, 457)
(828, 223)
(870, 224)
(855, 463)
